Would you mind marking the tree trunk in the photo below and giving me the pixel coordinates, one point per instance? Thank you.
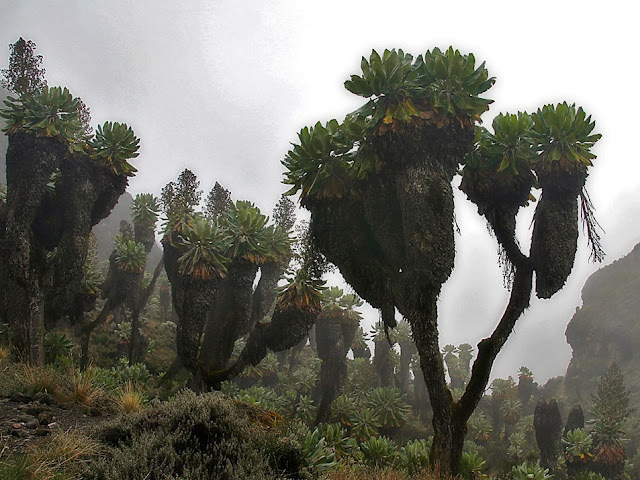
(229, 316)
(383, 363)
(135, 354)
(407, 349)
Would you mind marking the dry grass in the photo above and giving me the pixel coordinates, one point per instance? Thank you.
(64, 450)
(85, 389)
(62, 456)
(41, 379)
(129, 399)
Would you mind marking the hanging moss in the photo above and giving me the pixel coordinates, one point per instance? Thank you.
(382, 213)
(288, 327)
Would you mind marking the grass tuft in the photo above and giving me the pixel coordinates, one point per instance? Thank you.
(85, 388)
(129, 399)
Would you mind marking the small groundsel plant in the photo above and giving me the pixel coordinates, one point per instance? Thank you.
(378, 452)
(414, 456)
(577, 445)
(472, 465)
(530, 471)
(317, 455)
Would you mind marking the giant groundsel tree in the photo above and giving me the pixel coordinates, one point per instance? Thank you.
(379, 189)
(60, 183)
(212, 263)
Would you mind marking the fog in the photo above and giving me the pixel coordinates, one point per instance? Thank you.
(223, 87)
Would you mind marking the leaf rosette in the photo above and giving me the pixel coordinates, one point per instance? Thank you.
(115, 143)
(53, 112)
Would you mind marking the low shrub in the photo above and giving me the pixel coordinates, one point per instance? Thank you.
(195, 437)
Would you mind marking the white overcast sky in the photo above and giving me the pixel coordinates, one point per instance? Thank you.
(223, 87)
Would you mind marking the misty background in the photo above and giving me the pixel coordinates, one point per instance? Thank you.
(223, 87)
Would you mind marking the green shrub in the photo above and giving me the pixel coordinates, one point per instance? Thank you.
(414, 456)
(389, 406)
(195, 437)
(378, 452)
(587, 476)
(472, 465)
(317, 456)
(337, 438)
(530, 471)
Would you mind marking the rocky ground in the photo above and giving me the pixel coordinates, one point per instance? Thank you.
(25, 418)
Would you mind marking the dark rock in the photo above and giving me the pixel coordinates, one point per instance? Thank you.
(606, 329)
(95, 412)
(21, 398)
(44, 398)
(45, 417)
(24, 418)
(32, 424)
(36, 409)
(42, 431)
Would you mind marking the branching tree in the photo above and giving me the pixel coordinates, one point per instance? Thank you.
(212, 264)
(59, 184)
(379, 189)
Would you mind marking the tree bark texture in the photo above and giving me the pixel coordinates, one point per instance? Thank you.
(45, 240)
(334, 334)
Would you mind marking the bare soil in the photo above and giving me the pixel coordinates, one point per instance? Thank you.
(25, 419)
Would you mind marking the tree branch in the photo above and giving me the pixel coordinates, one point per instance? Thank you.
(489, 348)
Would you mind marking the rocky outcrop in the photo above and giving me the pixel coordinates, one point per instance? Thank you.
(606, 328)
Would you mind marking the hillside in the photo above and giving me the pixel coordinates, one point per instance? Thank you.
(607, 328)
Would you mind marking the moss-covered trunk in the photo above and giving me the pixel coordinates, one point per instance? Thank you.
(548, 427)
(30, 163)
(229, 316)
(334, 335)
(192, 300)
(265, 293)
(555, 233)
(407, 349)
(46, 236)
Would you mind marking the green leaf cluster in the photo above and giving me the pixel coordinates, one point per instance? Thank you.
(52, 112)
(302, 291)
(510, 147)
(577, 444)
(434, 88)
(564, 135)
(91, 279)
(115, 143)
(414, 456)
(389, 406)
(402, 88)
(532, 471)
(320, 165)
(249, 236)
(145, 209)
(204, 245)
(378, 451)
(130, 256)
(316, 454)
(471, 465)
(242, 231)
